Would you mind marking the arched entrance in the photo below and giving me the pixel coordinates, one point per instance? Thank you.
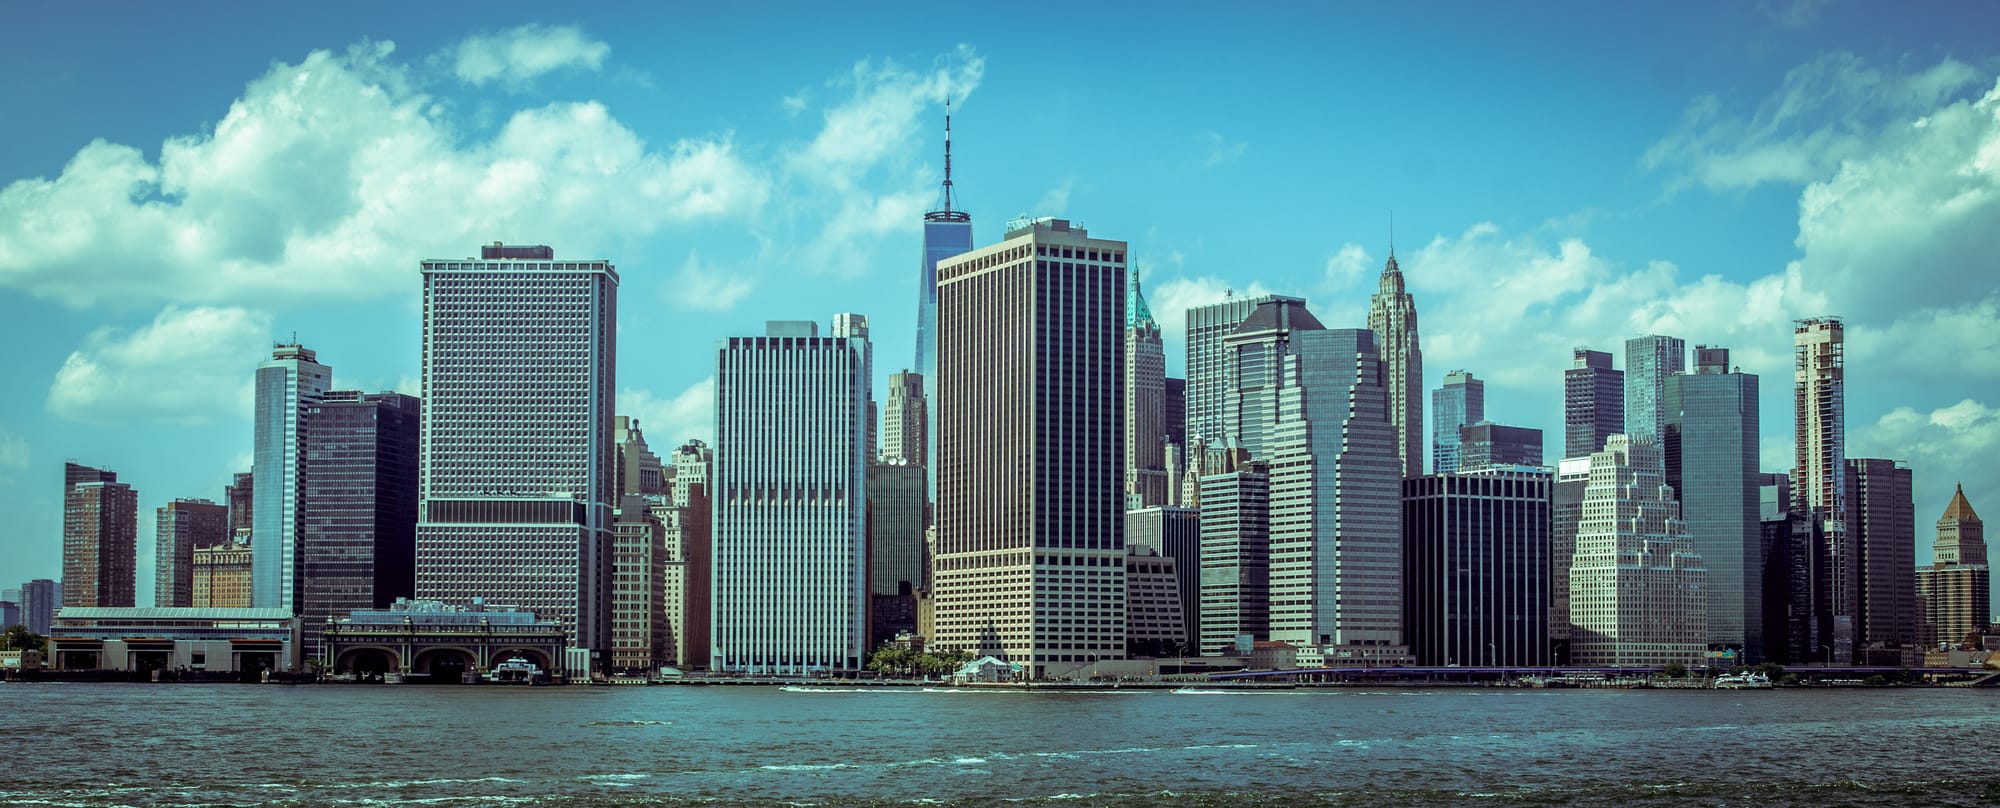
(537, 658)
(442, 666)
(367, 664)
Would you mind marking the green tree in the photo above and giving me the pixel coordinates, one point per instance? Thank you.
(1676, 670)
(19, 638)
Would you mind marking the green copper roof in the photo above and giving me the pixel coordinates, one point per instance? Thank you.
(1136, 312)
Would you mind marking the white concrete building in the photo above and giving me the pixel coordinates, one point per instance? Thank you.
(1638, 593)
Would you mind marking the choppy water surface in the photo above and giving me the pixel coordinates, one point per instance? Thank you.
(111, 744)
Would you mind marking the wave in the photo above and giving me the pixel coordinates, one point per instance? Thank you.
(631, 723)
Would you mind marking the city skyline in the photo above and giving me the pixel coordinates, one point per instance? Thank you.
(140, 375)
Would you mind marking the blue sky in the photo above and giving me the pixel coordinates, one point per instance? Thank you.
(179, 190)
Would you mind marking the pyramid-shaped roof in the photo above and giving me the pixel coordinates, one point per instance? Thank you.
(1959, 509)
(1137, 313)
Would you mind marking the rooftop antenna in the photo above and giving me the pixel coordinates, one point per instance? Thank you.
(945, 213)
(1392, 233)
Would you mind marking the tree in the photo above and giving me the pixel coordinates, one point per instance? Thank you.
(19, 638)
(1676, 670)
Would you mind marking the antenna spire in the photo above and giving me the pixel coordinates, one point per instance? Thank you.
(1392, 225)
(944, 213)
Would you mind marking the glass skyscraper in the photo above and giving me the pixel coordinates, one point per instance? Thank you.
(1710, 443)
(947, 233)
(292, 380)
(1649, 360)
(1461, 401)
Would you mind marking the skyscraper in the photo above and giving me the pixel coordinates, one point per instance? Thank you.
(646, 582)
(1176, 410)
(1461, 401)
(1173, 533)
(1593, 403)
(905, 417)
(1637, 588)
(1819, 476)
(1235, 576)
(179, 528)
(1031, 427)
(1649, 361)
(1476, 568)
(518, 470)
(1145, 404)
(791, 544)
(1957, 600)
(896, 522)
(40, 598)
(1487, 445)
(1565, 515)
(238, 495)
(692, 548)
(947, 233)
(1710, 444)
(287, 384)
(1882, 527)
(100, 538)
(1207, 367)
(358, 547)
(1262, 367)
(1392, 315)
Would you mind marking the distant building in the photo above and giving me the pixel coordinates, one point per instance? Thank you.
(1955, 589)
(1486, 445)
(221, 577)
(1208, 367)
(1882, 527)
(904, 419)
(179, 528)
(1460, 402)
(1565, 515)
(691, 548)
(1176, 411)
(1638, 593)
(359, 519)
(40, 598)
(1235, 573)
(1819, 480)
(1145, 404)
(1476, 568)
(243, 640)
(896, 524)
(1392, 315)
(1593, 403)
(100, 538)
(1709, 440)
(641, 632)
(439, 642)
(288, 383)
(1153, 616)
(1649, 362)
(790, 516)
(1176, 534)
(238, 496)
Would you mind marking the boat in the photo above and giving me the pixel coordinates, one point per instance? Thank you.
(1743, 681)
(514, 671)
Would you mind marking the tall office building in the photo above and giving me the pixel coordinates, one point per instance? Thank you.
(1649, 362)
(287, 384)
(791, 543)
(1637, 588)
(1565, 515)
(1787, 541)
(693, 549)
(1173, 533)
(1486, 445)
(179, 528)
(1882, 525)
(238, 495)
(1208, 367)
(1145, 404)
(1262, 367)
(1031, 540)
(1476, 568)
(947, 233)
(358, 546)
(1154, 624)
(647, 583)
(100, 538)
(1235, 576)
(1709, 440)
(518, 472)
(1819, 477)
(1175, 407)
(1955, 589)
(1392, 315)
(1593, 403)
(896, 522)
(222, 576)
(905, 417)
(1461, 401)
(40, 598)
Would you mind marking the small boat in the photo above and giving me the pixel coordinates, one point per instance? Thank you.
(514, 671)
(1743, 681)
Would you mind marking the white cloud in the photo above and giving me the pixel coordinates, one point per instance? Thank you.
(1346, 266)
(703, 286)
(1793, 13)
(1946, 446)
(13, 451)
(188, 366)
(795, 103)
(516, 56)
(1220, 149)
(325, 181)
(669, 422)
(1055, 201)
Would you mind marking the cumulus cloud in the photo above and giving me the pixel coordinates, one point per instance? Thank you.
(328, 178)
(190, 365)
(1220, 149)
(673, 420)
(1945, 446)
(1055, 201)
(13, 451)
(703, 286)
(1346, 266)
(516, 56)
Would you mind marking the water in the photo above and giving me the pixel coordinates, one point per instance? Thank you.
(121, 744)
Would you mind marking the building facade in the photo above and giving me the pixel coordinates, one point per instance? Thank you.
(1649, 361)
(1207, 366)
(905, 419)
(180, 527)
(221, 577)
(359, 517)
(947, 233)
(790, 502)
(517, 471)
(1819, 477)
(1392, 315)
(1145, 404)
(1153, 615)
(1174, 533)
(1565, 515)
(1637, 589)
(1955, 590)
(1235, 577)
(1476, 568)
(1882, 527)
(287, 384)
(1709, 441)
(1030, 565)
(100, 538)
(1593, 402)
(1486, 445)
(240, 495)
(896, 522)
(1461, 401)
(40, 598)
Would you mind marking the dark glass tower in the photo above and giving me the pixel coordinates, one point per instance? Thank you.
(358, 546)
(947, 232)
